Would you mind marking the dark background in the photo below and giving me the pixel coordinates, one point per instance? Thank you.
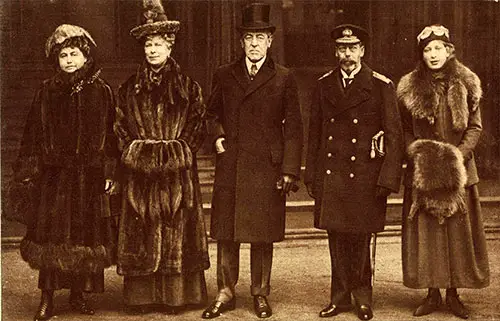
(208, 38)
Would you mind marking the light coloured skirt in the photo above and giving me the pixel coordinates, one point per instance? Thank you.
(451, 255)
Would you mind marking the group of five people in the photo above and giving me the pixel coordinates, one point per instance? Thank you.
(80, 145)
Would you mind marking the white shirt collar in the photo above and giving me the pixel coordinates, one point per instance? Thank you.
(353, 73)
(258, 63)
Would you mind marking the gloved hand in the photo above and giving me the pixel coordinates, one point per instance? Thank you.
(111, 187)
(287, 183)
(220, 145)
(381, 191)
(309, 187)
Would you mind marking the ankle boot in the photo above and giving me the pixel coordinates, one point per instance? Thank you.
(78, 303)
(430, 304)
(46, 308)
(455, 305)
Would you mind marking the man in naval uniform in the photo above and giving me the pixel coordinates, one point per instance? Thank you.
(353, 163)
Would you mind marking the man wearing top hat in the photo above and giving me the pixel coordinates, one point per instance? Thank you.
(257, 136)
(353, 163)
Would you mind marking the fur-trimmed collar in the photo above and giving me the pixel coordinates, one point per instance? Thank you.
(147, 79)
(420, 92)
(74, 82)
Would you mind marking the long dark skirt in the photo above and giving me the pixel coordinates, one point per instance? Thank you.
(85, 282)
(451, 255)
(172, 290)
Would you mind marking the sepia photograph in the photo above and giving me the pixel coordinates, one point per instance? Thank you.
(290, 160)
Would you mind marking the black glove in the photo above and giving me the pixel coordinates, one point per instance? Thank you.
(287, 183)
(309, 187)
(381, 191)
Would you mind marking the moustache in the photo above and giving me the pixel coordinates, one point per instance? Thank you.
(347, 61)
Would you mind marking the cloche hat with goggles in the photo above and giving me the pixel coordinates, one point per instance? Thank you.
(433, 32)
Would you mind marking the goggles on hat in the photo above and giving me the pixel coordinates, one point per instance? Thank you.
(437, 30)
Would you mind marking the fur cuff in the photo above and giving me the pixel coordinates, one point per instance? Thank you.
(158, 156)
(65, 257)
(439, 179)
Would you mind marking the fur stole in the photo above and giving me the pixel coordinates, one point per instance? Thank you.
(73, 83)
(439, 179)
(421, 91)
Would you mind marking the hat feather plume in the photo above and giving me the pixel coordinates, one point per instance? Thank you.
(152, 8)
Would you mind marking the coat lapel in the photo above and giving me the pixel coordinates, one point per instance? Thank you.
(240, 74)
(266, 72)
(358, 92)
(334, 91)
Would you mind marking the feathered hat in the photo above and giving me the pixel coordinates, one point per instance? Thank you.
(155, 21)
(64, 32)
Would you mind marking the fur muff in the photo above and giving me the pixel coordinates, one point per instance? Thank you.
(439, 179)
(420, 90)
(158, 156)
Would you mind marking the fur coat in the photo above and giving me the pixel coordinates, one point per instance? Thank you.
(442, 126)
(67, 151)
(160, 125)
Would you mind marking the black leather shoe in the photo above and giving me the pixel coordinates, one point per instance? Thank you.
(430, 304)
(81, 305)
(457, 307)
(261, 306)
(365, 312)
(217, 307)
(332, 310)
(44, 312)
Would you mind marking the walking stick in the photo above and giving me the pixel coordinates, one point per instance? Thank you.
(373, 244)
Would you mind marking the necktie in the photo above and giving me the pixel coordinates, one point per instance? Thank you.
(253, 71)
(347, 82)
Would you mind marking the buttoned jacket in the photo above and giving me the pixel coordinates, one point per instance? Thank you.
(339, 166)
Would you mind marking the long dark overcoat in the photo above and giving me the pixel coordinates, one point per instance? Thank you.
(262, 124)
(339, 166)
(67, 151)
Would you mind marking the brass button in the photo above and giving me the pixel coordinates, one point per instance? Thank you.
(351, 175)
(353, 158)
(355, 120)
(330, 137)
(354, 140)
(332, 120)
(329, 155)
(328, 171)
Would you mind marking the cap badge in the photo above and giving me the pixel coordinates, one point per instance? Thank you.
(347, 32)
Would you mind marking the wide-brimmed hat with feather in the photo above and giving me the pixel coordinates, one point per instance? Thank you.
(155, 21)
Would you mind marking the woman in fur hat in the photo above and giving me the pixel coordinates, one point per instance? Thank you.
(66, 160)
(444, 245)
(162, 246)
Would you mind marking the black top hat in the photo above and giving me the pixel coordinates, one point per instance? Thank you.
(349, 34)
(256, 17)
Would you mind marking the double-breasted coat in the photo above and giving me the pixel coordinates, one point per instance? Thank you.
(261, 122)
(339, 167)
